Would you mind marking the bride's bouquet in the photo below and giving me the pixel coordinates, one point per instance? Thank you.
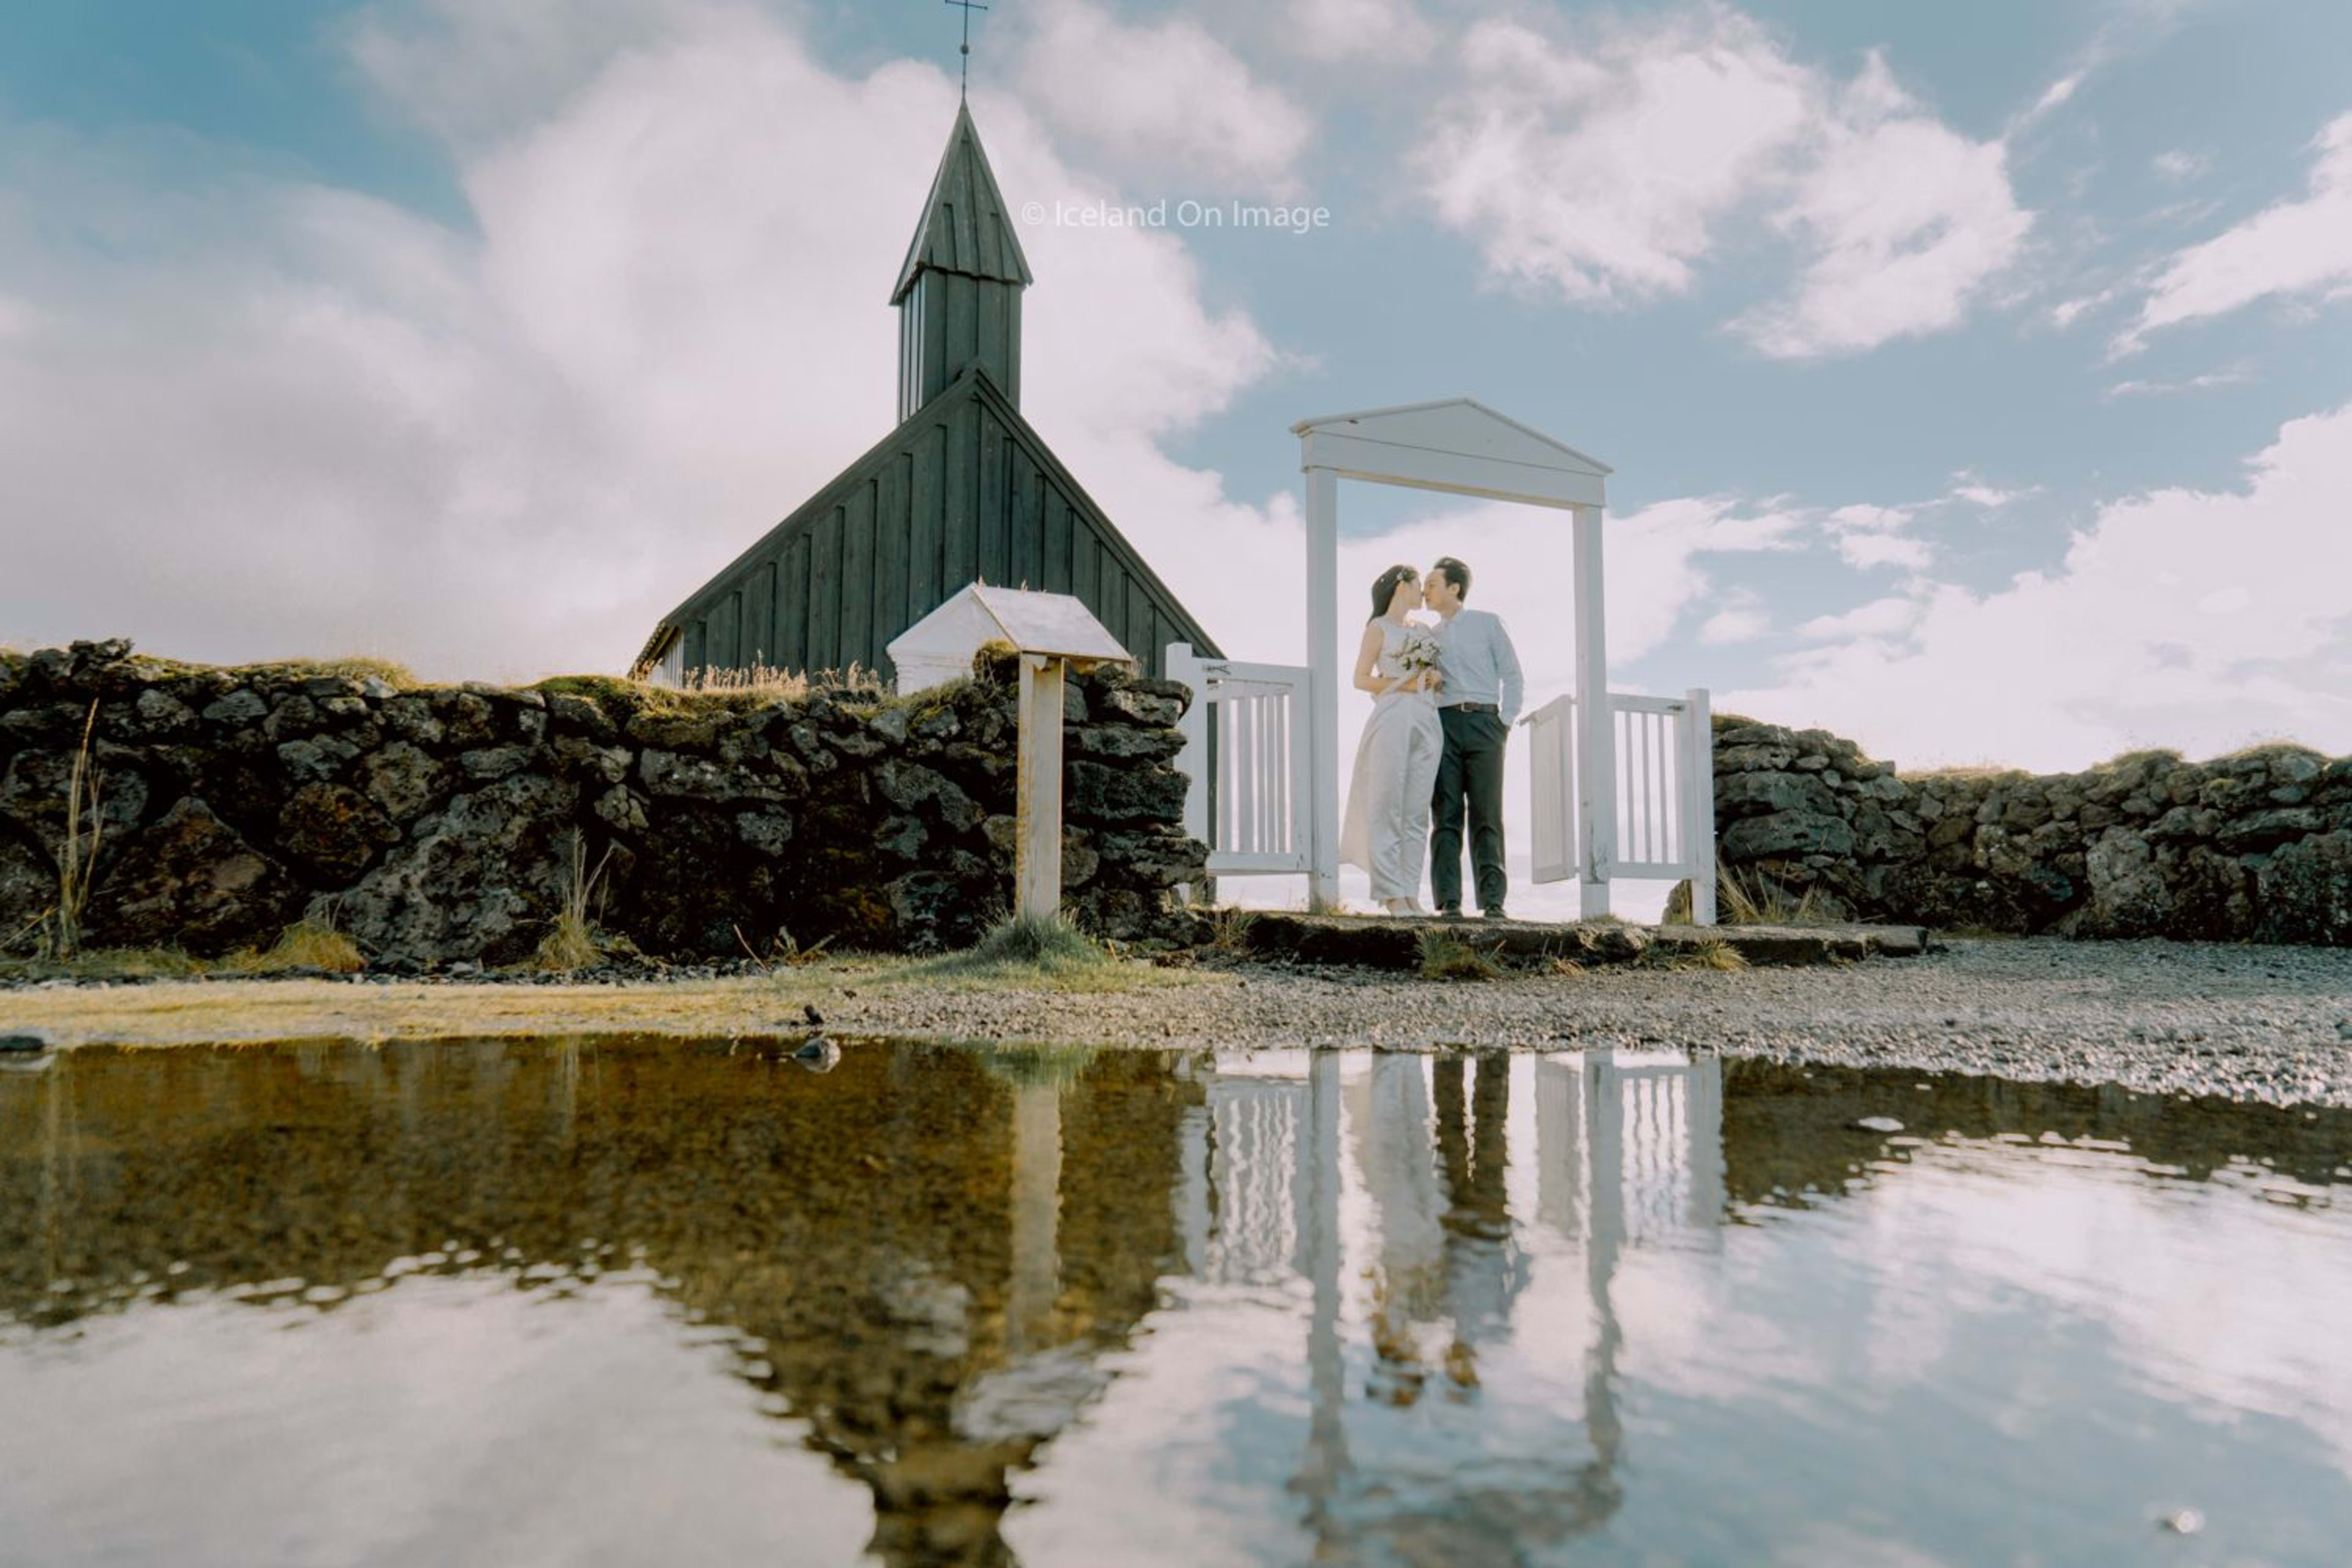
(1418, 653)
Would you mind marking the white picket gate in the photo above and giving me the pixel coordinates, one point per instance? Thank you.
(1663, 794)
(1251, 722)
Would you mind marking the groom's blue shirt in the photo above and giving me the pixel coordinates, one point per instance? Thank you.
(1475, 657)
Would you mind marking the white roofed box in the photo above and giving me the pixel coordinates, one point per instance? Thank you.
(939, 648)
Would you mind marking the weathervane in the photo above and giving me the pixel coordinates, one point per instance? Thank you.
(967, 7)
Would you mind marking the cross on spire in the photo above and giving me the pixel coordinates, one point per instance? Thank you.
(967, 7)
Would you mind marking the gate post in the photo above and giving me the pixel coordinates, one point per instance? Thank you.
(1323, 659)
(1037, 819)
(1698, 802)
(1596, 725)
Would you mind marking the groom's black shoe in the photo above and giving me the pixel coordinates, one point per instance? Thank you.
(1449, 911)
(1495, 914)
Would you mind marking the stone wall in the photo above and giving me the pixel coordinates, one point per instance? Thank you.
(2256, 847)
(439, 823)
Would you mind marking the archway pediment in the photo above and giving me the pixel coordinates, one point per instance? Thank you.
(1457, 445)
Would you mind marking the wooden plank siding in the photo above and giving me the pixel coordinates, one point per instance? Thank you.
(963, 488)
(759, 615)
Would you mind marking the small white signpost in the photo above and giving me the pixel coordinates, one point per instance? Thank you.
(1053, 633)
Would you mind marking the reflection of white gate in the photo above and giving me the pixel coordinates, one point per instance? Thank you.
(1249, 722)
(1659, 819)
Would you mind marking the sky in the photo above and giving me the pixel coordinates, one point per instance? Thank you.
(1977, 380)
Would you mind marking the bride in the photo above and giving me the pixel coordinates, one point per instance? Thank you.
(1386, 830)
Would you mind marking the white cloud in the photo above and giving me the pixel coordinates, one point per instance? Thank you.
(295, 419)
(2178, 618)
(2294, 248)
(2236, 376)
(1868, 550)
(1906, 219)
(1742, 619)
(1377, 32)
(2180, 167)
(1867, 536)
(1879, 618)
(1160, 96)
(1967, 486)
(1602, 172)
(1606, 169)
(2066, 312)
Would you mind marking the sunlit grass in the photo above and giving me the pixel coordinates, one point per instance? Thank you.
(306, 944)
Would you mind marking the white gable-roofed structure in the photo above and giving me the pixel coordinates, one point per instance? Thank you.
(938, 647)
(1458, 445)
(1268, 734)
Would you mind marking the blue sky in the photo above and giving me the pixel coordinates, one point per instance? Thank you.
(1977, 380)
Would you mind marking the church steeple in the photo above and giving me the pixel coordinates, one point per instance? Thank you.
(959, 293)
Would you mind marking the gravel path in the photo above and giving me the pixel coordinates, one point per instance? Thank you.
(2250, 1023)
(2254, 1023)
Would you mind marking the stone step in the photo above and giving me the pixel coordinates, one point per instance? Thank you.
(1389, 941)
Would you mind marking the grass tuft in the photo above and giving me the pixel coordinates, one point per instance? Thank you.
(78, 856)
(1446, 957)
(306, 944)
(570, 942)
(1229, 931)
(1742, 901)
(1717, 955)
(1015, 948)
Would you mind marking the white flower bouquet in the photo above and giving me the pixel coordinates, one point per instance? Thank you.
(1418, 653)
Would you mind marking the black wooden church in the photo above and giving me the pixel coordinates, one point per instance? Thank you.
(964, 490)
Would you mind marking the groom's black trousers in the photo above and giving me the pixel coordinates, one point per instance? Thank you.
(1469, 772)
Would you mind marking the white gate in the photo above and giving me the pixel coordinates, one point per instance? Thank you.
(1664, 796)
(1250, 721)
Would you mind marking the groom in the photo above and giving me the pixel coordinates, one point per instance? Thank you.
(1480, 702)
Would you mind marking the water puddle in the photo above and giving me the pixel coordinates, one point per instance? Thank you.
(620, 1302)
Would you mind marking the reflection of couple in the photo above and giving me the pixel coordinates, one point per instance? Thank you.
(1444, 697)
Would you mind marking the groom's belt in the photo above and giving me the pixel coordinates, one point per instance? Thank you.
(1473, 707)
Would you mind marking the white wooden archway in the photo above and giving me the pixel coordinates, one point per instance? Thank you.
(1270, 733)
(1461, 446)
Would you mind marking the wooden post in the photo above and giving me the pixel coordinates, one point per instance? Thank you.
(1698, 798)
(1323, 659)
(1037, 829)
(1596, 726)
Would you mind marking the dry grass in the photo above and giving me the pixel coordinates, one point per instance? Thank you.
(572, 943)
(1229, 931)
(76, 857)
(1716, 956)
(306, 944)
(355, 667)
(108, 963)
(1966, 770)
(1053, 951)
(1446, 957)
(1741, 900)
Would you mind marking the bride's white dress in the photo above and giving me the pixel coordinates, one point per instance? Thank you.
(1386, 829)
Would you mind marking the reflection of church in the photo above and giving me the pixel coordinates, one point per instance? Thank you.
(940, 1254)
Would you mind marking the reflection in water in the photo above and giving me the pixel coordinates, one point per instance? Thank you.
(1138, 1307)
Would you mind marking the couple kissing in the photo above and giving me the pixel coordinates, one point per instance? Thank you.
(1443, 698)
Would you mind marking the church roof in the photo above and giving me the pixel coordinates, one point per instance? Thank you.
(965, 226)
(1113, 579)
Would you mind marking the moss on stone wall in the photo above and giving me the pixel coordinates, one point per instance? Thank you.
(438, 824)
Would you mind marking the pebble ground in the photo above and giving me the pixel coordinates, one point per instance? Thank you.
(2252, 1023)
(2270, 1023)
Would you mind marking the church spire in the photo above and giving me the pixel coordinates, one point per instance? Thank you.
(958, 291)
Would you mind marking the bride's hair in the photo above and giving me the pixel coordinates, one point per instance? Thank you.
(1384, 587)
